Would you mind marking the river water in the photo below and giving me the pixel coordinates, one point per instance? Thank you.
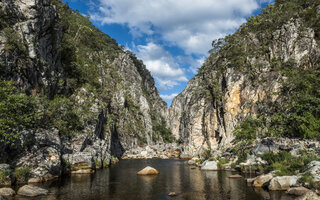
(121, 182)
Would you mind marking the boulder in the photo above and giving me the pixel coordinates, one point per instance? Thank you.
(144, 153)
(314, 170)
(185, 156)
(7, 192)
(250, 180)
(309, 196)
(265, 146)
(43, 158)
(298, 191)
(283, 182)
(172, 194)
(32, 191)
(80, 161)
(209, 165)
(148, 171)
(262, 180)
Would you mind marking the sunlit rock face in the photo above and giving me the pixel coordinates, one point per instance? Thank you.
(205, 115)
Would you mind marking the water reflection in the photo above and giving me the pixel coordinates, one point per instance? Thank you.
(122, 183)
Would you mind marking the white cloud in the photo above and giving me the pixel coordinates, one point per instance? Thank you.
(191, 25)
(161, 65)
(169, 97)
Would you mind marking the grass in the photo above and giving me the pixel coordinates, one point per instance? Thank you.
(22, 174)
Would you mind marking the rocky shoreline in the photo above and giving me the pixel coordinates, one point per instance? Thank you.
(302, 183)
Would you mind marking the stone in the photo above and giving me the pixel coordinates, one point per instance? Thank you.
(171, 194)
(314, 170)
(283, 182)
(250, 180)
(32, 191)
(261, 180)
(148, 171)
(7, 192)
(5, 167)
(80, 161)
(265, 146)
(209, 165)
(191, 162)
(298, 191)
(144, 153)
(309, 196)
(235, 176)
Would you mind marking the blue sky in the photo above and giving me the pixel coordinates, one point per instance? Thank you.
(172, 37)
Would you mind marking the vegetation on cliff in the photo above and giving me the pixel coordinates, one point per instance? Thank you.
(89, 76)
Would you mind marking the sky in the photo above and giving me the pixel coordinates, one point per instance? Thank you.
(172, 37)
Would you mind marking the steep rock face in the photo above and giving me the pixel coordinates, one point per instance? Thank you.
(29, 44)
(240, 81)
(94, 98)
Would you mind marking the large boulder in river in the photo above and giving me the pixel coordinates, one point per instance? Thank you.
(209, 165)
(283, 182)
(148, 171)
(32, 191)
(7, 192)
(262, 180)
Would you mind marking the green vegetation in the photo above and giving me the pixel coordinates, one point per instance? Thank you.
(4, 176)
(16, 109)
(309, 181)
(286, 164)
(22, 174)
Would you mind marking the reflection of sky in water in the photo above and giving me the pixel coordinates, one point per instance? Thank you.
(122, 183)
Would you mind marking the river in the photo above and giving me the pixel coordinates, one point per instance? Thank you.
(120, 182)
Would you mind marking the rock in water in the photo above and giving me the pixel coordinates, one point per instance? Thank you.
(171, 194)
(262, 180)
(283, 182)
(209, 165)
(32, 191)
(148, 171)
(7, 192)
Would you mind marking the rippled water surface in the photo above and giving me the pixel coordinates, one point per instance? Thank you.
(121, 182)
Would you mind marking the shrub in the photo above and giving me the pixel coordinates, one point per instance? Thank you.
(22, 174)
(286, 164)
(16, 109)
(4, 176)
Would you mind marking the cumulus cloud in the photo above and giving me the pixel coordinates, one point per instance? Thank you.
(190, 25)
(169, 97)
(161, 64)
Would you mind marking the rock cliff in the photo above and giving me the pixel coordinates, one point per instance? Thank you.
(246, 76)
(92, 99)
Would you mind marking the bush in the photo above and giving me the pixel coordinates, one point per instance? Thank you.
(22, 174)
(16, 109)
(286, 164)
(4, 176)
(61, 114)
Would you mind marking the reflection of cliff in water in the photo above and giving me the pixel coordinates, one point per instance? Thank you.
(121, 182)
